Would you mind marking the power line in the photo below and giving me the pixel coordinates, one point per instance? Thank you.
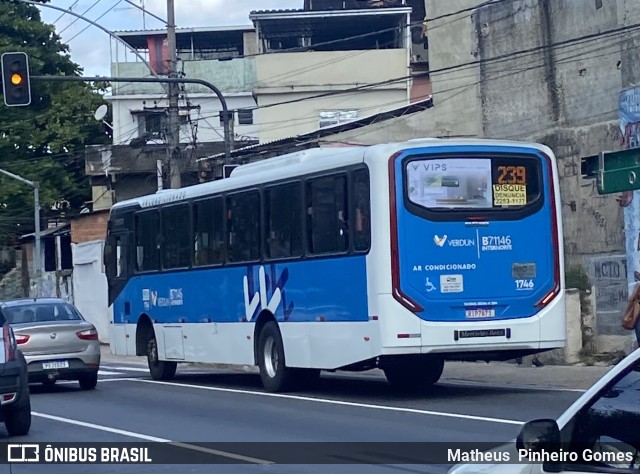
(77, 18)
(144, 10)
(87, 27)
(70, 8)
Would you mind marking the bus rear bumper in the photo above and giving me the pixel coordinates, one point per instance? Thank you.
(480, 340)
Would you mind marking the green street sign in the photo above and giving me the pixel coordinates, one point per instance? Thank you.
(614, 171)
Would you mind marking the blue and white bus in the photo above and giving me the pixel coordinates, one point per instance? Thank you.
(396, 256)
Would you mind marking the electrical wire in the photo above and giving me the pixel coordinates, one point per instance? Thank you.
(95, 21)
(73, 22)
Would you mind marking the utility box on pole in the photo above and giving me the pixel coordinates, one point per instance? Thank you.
(615, 171)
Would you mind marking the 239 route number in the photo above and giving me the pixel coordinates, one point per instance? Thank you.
(524, 284)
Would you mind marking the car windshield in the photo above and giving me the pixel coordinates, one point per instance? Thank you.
(40, 312)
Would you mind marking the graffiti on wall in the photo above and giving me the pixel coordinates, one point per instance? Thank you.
(609, 277)
(629, 112)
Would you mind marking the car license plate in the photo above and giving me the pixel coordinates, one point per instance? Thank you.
(63, 364)
(480, 313)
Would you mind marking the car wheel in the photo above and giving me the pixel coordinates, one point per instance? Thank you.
(88, 381)
(275, 375)
(159, 369)
(17, 417)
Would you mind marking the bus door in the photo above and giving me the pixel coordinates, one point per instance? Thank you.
(477, 235)
(117, 270)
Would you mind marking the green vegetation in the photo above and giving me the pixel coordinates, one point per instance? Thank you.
(44, 141)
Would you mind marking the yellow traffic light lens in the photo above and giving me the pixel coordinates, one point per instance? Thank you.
(16, 79)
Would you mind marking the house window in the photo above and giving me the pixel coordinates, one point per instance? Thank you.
(335, 117)
(245, 117)
(155, 123)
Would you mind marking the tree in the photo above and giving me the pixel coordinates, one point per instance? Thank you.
(44, 141)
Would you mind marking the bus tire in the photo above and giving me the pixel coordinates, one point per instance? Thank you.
(275, 375)
(159, 369)
(413, 373)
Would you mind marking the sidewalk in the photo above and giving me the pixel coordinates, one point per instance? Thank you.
(495, 373)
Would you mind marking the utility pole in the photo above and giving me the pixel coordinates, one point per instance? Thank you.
(174, 154)
(37, 257)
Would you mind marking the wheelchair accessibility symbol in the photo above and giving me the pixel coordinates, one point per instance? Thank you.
(429, 286)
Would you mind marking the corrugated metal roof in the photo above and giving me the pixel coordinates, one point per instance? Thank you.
(268, 12)
(199, 29)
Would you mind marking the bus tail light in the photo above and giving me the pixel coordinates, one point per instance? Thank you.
(398, 295)
(557, 284)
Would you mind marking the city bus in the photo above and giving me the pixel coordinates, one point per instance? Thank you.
(397, 256)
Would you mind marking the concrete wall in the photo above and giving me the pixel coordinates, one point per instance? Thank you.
(329, 70)
(286, 120)
(126, 124)
(455, 92)
(233, 76)
(286, 77)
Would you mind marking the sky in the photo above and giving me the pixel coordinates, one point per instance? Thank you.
(91, 48)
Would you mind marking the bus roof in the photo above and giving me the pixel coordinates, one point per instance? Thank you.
(307, 161)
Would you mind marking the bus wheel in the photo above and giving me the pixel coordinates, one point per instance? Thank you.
(413, 373)
(276, 377)
(159, 369)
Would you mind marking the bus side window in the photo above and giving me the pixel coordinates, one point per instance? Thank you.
(327, 215)
(283, 221)
(362, 211)
(148, 241)
(176, 236)
(243, 227)
(208, 245)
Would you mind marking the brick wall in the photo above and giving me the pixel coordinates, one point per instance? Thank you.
(88, 227)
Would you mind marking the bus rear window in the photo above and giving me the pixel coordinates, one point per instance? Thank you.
(496, 183)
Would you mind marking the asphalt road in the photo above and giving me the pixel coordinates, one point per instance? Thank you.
(232, 407)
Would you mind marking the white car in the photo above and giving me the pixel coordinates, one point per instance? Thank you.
(598, 433)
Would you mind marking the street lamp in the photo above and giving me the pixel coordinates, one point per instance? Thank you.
(37, 265)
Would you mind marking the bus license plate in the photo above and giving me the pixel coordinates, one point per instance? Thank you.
(480, 313)
(63, 364)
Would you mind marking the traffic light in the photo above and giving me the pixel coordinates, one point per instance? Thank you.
(15, 79)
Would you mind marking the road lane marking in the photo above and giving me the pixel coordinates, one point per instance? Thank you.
(116, 379)
(339, 402)
(145, 437)
(131, 369)
(106, 372)
(108, 429)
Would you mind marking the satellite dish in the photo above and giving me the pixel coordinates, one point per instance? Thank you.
(101, 112)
